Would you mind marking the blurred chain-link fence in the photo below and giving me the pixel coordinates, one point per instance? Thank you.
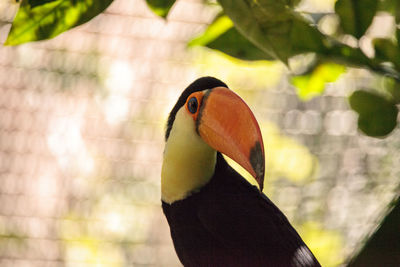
(81, 138)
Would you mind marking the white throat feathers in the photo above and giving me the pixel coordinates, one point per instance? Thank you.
(189, 162)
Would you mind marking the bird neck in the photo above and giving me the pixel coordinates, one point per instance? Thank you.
(188, 164)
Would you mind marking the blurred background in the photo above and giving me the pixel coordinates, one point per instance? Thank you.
(82, 119)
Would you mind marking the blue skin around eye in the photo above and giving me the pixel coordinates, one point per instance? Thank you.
(192, 105)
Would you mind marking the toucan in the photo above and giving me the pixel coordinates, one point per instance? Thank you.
(216, 217)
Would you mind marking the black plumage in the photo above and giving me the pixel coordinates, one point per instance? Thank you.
(229, 222)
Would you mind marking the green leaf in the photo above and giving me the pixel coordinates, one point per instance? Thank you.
(386, 50)
(313, 83)
(398, 36)
(355, 15)
(349, 56)
(34, 3)
(49, 19)
(387, 6)
(390, 6)
(377, 115)
(305, 38)
(391, 86)
(234, 44)
(219, 26)
(222, 36)
(274, 27)
(160, 7)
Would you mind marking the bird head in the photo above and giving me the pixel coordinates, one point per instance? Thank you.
(208, 118)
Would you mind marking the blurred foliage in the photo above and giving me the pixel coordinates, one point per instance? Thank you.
(223, 36)
(34, 3)
(325, 244)
(356, 16)
(252, 30)
(280, 31)
(259, 74)
(377, 115)
(286, 159)
(259, 30)
(160, 7)
(387, 51)
(274, 27)
(390, 87)
(92, 251)
(313, 82)
(40, 20)
(391, 6)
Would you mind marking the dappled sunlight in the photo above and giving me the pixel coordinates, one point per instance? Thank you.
(119, 82)
(313, 84)
(66, 143)
(114, 222)
(118, 217)
(116, 107)
(113, 225)
(94, 252)
(284, 158)
(327, 245)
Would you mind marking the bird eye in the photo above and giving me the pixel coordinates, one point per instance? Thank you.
(192, 105)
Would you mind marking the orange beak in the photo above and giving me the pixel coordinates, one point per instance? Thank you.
(226, 123)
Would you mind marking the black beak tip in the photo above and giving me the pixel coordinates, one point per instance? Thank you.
(257, 161)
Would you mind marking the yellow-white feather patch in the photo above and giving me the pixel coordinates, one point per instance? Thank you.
(189, 162)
